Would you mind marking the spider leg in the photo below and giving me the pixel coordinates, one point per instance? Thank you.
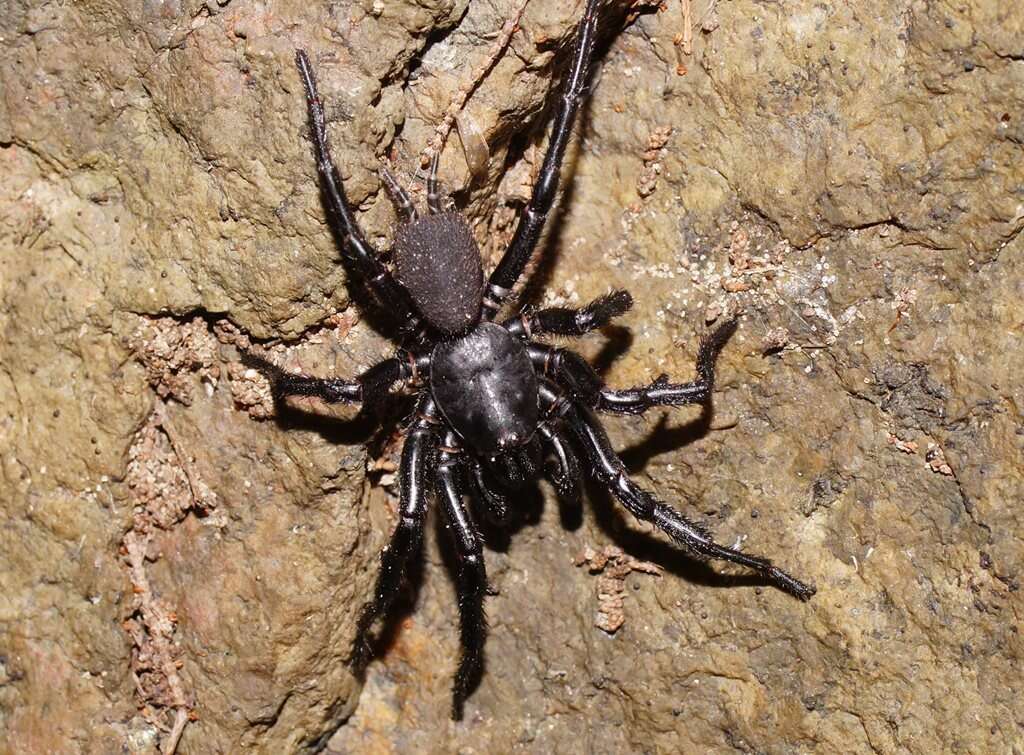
(570, 370)
(564, 471)
(368, 388)
(494, 500)
(434, 202)
(471, 578)
(399, 196)
(611, 472)
(355, 248)
(587, 386)
(531, 223)
(419, 458)
(565, 321)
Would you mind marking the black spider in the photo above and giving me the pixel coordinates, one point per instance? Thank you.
(492, 402)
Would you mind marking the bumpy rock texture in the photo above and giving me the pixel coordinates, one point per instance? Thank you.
(851, 175)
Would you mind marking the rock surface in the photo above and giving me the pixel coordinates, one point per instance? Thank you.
(850, 176)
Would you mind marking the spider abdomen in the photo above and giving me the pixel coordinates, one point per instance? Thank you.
(438, 262)
(485, 386)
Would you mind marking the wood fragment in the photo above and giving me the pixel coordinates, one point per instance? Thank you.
(436, 144)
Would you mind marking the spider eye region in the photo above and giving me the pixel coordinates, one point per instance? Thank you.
(438, 262)
(485, 386)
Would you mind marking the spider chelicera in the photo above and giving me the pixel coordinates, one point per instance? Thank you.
(492, 402)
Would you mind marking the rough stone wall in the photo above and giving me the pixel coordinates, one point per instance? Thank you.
(848, 175)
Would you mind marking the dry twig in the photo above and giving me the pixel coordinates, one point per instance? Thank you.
(164, 488)
(436, 144)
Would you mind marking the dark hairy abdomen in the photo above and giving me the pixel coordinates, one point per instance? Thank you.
(438, 262)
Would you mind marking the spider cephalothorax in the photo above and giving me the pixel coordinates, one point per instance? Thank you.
(492, 403)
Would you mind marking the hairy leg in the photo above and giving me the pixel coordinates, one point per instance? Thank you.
(587, 387)
(419, 459)
(606, 466)
(494, 500)
(399, 197)
(566, 321)
(531, 223)
(434, 201)
(564, 472)
(367, 388)
(471, 580)
(355, 248)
